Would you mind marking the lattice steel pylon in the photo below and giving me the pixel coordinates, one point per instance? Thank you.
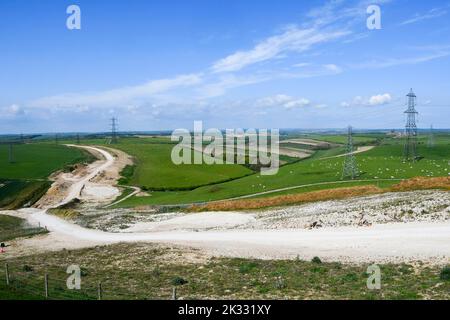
(113, 130)
(350, 169)
(430, 142)
(410, 150)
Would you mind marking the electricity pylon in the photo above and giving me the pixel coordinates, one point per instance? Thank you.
(410, 150)
(430, 143)
(113, 130)
(350, 170)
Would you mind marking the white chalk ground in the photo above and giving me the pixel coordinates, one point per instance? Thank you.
(396, 242)
(209, 220)
(380, 243)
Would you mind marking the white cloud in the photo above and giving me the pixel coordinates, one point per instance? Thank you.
(393, 62)
(376, 100)
(380, 99)
(433, 13)
(11, 111)
(120, 95)
(282, 100)
(220, 86)
(293, 39)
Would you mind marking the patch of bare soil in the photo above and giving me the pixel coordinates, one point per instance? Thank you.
(415, 206)
(111, 175)
(100, 189)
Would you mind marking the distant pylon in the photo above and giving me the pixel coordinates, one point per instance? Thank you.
(410, 150)
(430, 143)
(56, 138)
(350, 170)
(113, 130)
(78, 138)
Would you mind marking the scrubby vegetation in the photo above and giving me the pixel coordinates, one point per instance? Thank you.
(145, 271)
(13, 227)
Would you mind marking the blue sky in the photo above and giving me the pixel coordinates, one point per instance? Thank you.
(266, 64)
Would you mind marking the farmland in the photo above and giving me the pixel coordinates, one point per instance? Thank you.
(24, 181)
(167, 183)
(383, 166)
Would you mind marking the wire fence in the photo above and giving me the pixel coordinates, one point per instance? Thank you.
(51, 286)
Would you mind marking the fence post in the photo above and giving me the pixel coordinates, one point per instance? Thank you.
(7, 274)
(174, 293)
(100, 291)
(46, 285)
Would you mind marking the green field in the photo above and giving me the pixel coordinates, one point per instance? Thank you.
(37, 160)
(24, 181)
(155, 170)
(378, 164)
(168, 183)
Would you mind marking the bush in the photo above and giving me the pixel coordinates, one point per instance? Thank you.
(178, 281)
(316, 260)
(27, 268)
(445, 273)
(247, 267)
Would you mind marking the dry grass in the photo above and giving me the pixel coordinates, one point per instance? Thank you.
(422, 183)
(341, 193)
(419, 183)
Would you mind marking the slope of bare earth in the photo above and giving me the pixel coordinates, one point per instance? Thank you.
(98, 190)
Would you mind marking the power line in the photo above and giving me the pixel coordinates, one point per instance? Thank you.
(410, 150)
(350, 170)
(431, 143)
(113, 130)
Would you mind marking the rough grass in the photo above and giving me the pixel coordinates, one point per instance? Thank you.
(423, 183)
(13, 227)
(18, 193)
(419, 183)
(147, 271)
(248, 204)
(64, 213)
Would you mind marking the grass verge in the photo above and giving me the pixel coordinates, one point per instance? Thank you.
(146, 271)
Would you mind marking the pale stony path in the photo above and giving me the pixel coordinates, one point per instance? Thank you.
(389, 242)
(428, 241)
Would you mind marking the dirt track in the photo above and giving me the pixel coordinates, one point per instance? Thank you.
(426, 241)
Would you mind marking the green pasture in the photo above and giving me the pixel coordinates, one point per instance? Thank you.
(37, 160)
(381, 163)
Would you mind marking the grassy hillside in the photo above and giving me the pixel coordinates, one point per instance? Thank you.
(12, 227)
(155, 170)
(37, 160)
(24, 181)
(382, 162)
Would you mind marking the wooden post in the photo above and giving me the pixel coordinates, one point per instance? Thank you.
(46, 285)
(174, 293)
(100, 291)
(7, 274)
